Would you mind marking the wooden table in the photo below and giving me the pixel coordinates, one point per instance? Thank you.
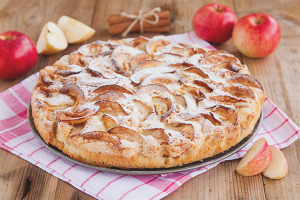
(279, 73)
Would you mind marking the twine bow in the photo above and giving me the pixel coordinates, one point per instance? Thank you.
(141, 17)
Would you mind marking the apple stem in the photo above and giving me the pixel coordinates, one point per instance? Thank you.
(259, 20)
(219, 9)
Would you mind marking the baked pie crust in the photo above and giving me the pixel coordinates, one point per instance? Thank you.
(145, 103)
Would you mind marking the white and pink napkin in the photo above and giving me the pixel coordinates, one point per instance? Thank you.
(17, 138)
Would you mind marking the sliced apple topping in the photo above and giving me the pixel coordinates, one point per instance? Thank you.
(46, 76)
(232, 66)
(155, 42)
(215, 52)
(213, 60)
(109, 121)
(74, 91)
(75, 59)
(204, 87)
(197, 94)
(111, 107)
(226, 74)
(227, 99)
(99, 136)
(144, 108)
(246, 80)
(70, 70)
(109, 95)
(121, 42)
(225, 113)
(197, 71)
(139, 58)
(159, 134)
(185, 128)
(111, 87)
(78, 114)
(239, 91)
(182, 65)
(121, 63)
(180, 99)
(210, 117)
(147, 64)
(162, 79)
(126, 133)
(188, 52)
(152, 88)
(139, 76)
(139, 43)
(164, 107)
(169, 57)
(176, 50)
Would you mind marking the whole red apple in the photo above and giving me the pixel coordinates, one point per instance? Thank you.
(256, 35)
(18, 54)
(214, 23)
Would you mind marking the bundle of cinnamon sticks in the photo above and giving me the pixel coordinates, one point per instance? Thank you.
(119, 23)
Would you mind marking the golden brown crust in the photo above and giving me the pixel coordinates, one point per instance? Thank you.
(98, 120)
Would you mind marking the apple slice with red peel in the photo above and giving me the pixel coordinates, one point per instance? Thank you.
(278, 166)
(74, 91)
(74, 30)
(109, 95)
(151, 88)
(51, 40)
(139, 43)
(246, 80)
(109, 121)
(111, 87)
(188, 52)
(197, 71)
(225, 113)
(159, 134)
(215, 52)
(239, 91)
(147, 64)
(121, 62)
(232, 66)
(164, 107)
(155, 42)
(204, 86)
(215, 59)
(126, 133)
(139, 76)
(139, 58)
(256, 159)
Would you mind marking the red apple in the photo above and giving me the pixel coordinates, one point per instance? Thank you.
(256, 35)
(214, 23)
(18, 54)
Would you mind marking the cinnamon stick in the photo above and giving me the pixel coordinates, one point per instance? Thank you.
(121, 27)
(115, 19)
(160, 29)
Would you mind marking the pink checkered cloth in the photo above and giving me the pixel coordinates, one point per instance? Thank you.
(17, 138)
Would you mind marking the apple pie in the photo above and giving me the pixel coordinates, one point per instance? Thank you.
(145, 103)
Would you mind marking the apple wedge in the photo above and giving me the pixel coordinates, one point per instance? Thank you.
(278, 166)
(256, 159)
(75, 31)
(51, 40)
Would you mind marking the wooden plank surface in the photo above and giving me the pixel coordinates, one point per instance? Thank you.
(279, 73)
